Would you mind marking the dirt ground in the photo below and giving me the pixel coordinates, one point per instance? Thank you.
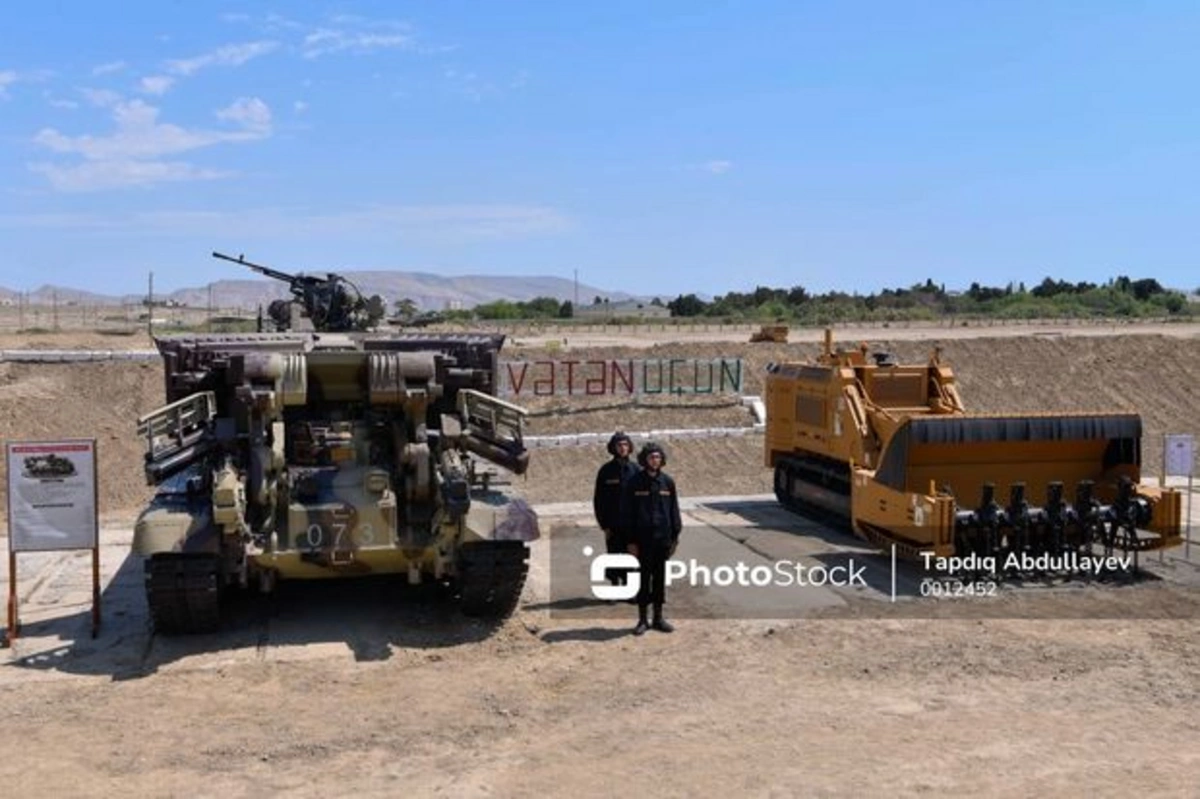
(354, 690)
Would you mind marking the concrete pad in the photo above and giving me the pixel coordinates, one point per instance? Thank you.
(380, 618)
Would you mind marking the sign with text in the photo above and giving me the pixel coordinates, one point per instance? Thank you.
(51, 495)
(1181, 455)
(598, 377)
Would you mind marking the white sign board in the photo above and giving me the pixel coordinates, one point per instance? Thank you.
(1180, 453)
(51, 495)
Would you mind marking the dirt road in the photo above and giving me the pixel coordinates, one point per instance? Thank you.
(370, 690)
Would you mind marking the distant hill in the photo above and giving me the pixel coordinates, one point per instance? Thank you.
(47, 295)
(430, 292)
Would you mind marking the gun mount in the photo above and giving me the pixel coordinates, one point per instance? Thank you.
(330, 304)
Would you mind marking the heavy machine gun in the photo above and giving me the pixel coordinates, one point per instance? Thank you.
(331, 304)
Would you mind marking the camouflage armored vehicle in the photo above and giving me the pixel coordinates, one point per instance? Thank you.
(38, 466)
(303, 455)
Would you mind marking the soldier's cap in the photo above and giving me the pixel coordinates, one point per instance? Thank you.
(647, 448)
(617, 438)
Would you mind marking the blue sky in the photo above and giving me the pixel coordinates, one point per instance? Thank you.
(658, 148)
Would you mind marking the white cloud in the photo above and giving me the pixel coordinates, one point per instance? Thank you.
(109, 68)
(134, 153)
(325, 41)
(299, 106)
(95, 175)
(55, 102)
(717, 167)
(451, 220)
(7, 78)
(249, 112)
(104, 98)
(277, 22)
(56, 221)
(448, 222)
(156, 84)
(140, 135)
(231, 55)
(477, 88)
(468, 84)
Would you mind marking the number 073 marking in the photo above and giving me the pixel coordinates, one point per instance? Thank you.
(318, 537)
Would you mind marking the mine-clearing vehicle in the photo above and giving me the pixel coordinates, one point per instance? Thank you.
(331, 453)
(891, 449)
(775, 334)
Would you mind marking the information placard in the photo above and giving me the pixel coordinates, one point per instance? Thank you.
(52, 495)
(1180, 455)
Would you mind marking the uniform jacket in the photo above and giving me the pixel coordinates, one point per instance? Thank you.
(652, 509)
(611, 481)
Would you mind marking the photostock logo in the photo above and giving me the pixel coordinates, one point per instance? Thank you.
(601, 588)
(781, 574)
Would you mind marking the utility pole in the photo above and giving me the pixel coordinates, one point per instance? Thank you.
(150, 307)
(210, 308)
(54, 308)
(575, 303)
(21, 311)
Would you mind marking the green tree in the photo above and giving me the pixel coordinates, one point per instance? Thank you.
(541, 308)
(406, 308)
(500, 309)
(687, 305)
(1146, 288)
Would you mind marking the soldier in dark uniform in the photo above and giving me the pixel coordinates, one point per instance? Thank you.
(611, 480)
(652, 504)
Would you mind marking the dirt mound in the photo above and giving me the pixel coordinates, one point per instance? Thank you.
(136, 339)
(88, 400)
(1154, 375)
(701, 467)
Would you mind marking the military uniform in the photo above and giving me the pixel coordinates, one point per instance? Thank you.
(611, 481)
(652, 503)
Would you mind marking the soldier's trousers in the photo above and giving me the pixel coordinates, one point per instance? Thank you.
(615, 544)
(653, 557)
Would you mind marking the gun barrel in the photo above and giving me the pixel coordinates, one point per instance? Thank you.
(262, 270)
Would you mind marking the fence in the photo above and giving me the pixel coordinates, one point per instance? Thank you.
(17, 315)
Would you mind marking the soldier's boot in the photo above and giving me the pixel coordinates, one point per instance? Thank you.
(642, 624)
(661, 624)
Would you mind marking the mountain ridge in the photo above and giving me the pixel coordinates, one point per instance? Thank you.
(431, 292)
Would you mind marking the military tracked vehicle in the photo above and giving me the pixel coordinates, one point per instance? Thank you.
(891, 448)
(321, 454)
(43, 466)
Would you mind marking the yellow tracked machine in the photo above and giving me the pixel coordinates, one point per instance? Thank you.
(891, 449)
